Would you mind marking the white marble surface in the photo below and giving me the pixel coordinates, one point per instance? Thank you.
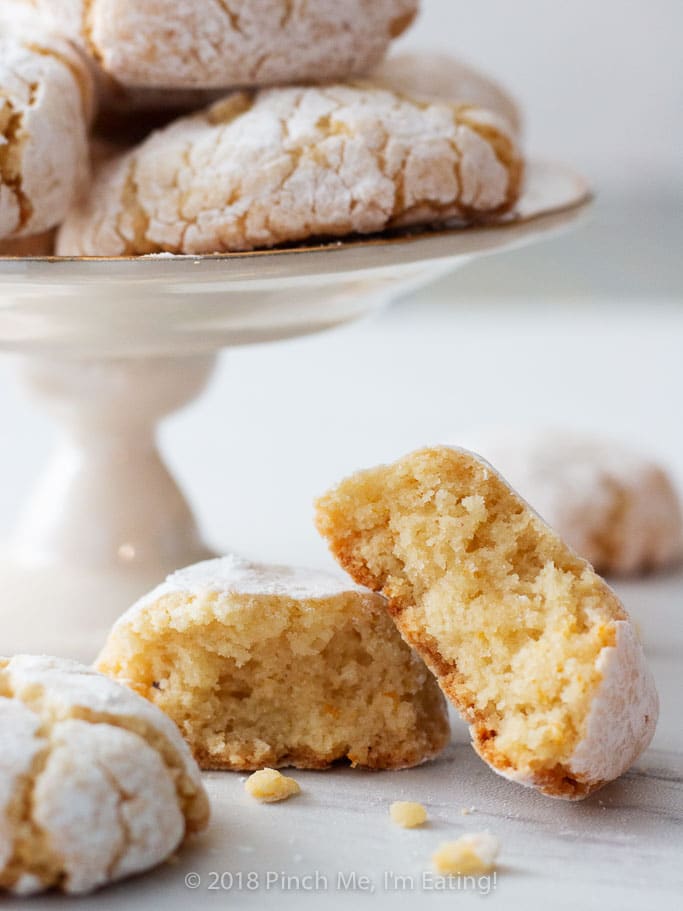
(278, 424)
(619, 849)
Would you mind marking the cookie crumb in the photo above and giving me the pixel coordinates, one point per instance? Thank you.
(407, 814)
(470, 854)
(467, 810)
(269, 786)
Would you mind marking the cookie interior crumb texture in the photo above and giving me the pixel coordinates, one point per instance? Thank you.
(270, 786)
(408, 814)
(266, 665)
(95, 783)
(529, 644)
(469, 855)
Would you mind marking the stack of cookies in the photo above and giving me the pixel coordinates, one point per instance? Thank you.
(292, 127)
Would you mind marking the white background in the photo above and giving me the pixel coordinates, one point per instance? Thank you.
(601, 80)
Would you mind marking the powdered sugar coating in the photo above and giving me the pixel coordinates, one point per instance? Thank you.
(21, 744)
(285, 165)
(109, 803)
(113, 788)
(46, 99)
(623, 714)
(235, 575)
(617, 508)
(436, 75)
(62, 689)
(225, 43)
(622, 719)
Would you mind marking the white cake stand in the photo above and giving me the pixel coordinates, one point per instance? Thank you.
(110, 346)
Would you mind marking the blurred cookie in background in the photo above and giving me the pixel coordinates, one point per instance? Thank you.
(616, 507)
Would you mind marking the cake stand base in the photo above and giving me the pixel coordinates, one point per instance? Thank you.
(107, 521)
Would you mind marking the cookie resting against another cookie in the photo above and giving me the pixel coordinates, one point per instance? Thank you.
(274, 666)
(431, 75)
(95, 783)
(531, 646)
(46, 103)
(435, 75)
(208, 44)
(616, 507)
(284, 165)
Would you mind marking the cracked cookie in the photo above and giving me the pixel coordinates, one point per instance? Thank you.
(285, 165)
(528, 643)
(95, 783)
(617, 508)
(274, 666)
(435, 75)
(46, 102)
(228, 43)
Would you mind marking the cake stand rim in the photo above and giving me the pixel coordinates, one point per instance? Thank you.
(325, 258)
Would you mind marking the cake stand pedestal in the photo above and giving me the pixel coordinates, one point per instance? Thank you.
(111, 346)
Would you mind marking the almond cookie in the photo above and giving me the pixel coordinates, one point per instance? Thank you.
(218, 44)
(528, 643)
(435, 75)
(46, 100)
(275, 666)
(95, 783)
(284, 165)
(617, 508)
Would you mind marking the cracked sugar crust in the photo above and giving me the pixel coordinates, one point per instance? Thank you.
(616, 507)
(286, 165)
(228, 43)
(46, 100)
(435, 75)
(95, 782)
